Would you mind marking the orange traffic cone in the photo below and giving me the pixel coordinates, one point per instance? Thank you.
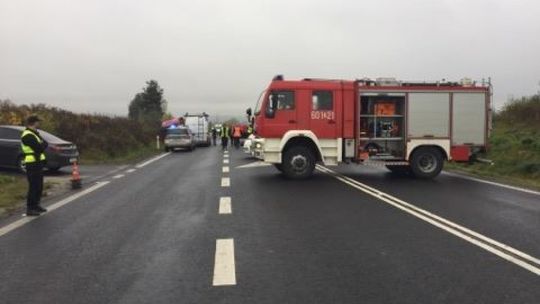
(75, 177)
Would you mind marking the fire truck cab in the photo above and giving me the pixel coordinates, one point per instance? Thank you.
(409, 127)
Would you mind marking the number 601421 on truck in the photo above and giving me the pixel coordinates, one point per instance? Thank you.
(409, 127)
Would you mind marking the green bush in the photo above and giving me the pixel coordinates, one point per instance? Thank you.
(94, 134)
(521, 112)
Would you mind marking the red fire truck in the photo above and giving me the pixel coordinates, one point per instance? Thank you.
(406, 126)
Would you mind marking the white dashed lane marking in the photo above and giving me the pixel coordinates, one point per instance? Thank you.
(130, 170)
(225, 182)
(225, 161)
(224, 268)
(225, 205)
(225, 169)
(118, 176)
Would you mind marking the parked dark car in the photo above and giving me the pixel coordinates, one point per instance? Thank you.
(60, 153)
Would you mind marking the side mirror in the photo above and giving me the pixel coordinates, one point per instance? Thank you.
(271, 107)
(269, 112)
(274, 102)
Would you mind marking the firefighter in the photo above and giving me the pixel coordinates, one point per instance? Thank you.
(225, 134)
(33, 147)
(237, 133)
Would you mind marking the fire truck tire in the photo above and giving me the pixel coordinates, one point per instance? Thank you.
(426, 162)
(399, 170)
(298, 162)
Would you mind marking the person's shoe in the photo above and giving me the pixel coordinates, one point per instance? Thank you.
(40, 209)
(32, 212)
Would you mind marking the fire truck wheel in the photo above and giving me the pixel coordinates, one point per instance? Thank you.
(399, 170)
(298, 162)
(279, 167)
(426, 162)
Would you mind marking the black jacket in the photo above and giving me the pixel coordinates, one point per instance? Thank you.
(33, 143)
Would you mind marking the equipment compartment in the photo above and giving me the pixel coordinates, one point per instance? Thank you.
(382, 126)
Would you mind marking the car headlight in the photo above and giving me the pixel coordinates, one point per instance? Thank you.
(258, 145)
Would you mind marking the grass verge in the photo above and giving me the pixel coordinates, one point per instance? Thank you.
(515, 151)
(12, 193)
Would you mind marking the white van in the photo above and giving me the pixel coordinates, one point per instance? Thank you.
(198, 124)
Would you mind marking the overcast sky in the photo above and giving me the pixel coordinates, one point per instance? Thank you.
(216, 56)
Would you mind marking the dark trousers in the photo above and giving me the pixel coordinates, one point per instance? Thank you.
(224, 142)
(214, 140)
(34, 174)
(236, 141)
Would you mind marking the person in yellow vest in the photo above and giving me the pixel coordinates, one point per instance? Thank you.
(225, 134)
(33, 147)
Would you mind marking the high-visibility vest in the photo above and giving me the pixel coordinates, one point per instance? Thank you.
(249, 130)
(224, 132)
(29, 155)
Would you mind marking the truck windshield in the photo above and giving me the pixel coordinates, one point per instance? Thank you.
(259, 103)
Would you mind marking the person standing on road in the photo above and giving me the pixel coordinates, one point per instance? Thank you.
(214, 136)
(237, 133)
(33, 147)
(225, 134)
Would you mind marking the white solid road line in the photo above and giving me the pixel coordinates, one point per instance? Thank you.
(225, 169)
(224, 269)
(491, 183)
(225, 205)
(504, 251)
(131, 170)
(118, 176)
(225, 182)
(225, 161)
(69, 199)
(152, 160)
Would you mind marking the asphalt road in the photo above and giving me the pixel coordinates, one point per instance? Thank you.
(162, 233)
